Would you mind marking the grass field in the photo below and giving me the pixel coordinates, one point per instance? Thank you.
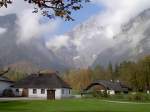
(82, 105)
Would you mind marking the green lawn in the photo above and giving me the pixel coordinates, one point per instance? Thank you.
(82, 105)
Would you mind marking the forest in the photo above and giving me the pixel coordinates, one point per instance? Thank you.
(134, 74)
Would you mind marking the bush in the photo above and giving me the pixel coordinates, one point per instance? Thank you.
(99, 94)
(118, 96)
(87, 96)
(138, 97)
(8, 93)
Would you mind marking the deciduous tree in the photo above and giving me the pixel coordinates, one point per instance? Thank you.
(52, 8)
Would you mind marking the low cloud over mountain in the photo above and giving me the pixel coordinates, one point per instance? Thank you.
(132, 42)
(87, 41)
(120, 31)
(34, 51)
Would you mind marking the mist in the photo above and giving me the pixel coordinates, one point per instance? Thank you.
(96, 34)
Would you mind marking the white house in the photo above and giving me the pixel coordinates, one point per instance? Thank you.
(43, 85)
(5, 83)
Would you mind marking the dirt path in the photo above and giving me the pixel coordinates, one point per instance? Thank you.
(19, 98)
(125, 102)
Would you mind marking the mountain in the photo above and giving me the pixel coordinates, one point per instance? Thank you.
(86, 45)
(91, 43)
(34, 52)
(80, 47)
(132, 43)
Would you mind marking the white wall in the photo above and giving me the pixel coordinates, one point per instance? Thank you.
(16, 93)
(111, 92)
(62, 93)
(38, 94)
(66, 93)
(3, 86)
(59, 93)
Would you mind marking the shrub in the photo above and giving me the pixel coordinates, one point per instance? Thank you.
(118, 96)
(138, 97)
(87, 96)
(99, 94)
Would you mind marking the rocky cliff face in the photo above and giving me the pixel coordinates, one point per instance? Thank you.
(85, 46)
(132, 43)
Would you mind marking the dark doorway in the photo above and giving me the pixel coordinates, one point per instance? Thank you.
(51, 94)
(25, 93)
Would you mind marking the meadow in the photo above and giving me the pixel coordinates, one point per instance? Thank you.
(74, 105)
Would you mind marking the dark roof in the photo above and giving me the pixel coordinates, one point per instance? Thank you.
(5, 79)
(42, 80)
(110, 85)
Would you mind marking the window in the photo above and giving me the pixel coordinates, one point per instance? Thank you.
(34, 91)
(63, 91)
(69, 91)
(17, 90)
(42, 91)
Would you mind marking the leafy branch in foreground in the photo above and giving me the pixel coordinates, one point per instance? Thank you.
(53, 8)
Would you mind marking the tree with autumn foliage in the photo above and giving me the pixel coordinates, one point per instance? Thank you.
(134, 74)
(78, 79)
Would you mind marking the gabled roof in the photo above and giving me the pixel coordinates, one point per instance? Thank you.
(5, 79)
(42, 80)
(109, 85)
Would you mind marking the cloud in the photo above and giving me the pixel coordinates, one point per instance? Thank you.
(89, 38)
(2, 30)
(16, 7)
(31, 27)
(96, 34)
(57, 42)
(118, 12)
(76, 57)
